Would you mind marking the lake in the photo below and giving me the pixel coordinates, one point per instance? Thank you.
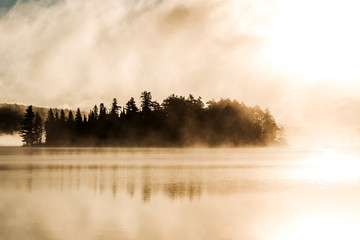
(135, 193)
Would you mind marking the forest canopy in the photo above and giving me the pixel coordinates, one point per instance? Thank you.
(177, 121)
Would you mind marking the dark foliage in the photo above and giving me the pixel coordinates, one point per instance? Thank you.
(10, 120)
(178, 121)
(31, 128)
(11, 116)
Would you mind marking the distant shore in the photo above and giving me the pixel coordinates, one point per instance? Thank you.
(177, 122)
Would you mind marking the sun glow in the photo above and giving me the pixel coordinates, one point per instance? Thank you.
(322, 227)
(318, 40)
(332, 166)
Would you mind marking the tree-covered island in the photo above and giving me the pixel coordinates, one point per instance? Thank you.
(176, 122)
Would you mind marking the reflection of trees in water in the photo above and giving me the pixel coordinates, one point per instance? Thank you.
(135, 180)
(29, 179)
(182, 189)
(130, 187)
(114, 181)
(146, 188)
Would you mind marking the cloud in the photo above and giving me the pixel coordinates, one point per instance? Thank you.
(79, 53)
(72, 51)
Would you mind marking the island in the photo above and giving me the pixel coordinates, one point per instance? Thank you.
(177, 122)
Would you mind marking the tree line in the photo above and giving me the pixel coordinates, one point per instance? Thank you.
(177, 121)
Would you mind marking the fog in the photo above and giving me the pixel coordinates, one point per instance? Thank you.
(72, 53)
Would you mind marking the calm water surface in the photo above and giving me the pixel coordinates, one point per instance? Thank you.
(114, 193)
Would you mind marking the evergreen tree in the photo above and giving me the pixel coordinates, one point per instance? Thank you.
(70, 119)
(50, 127)
(146, 101)
(114, 110)
(96, 112)
(131, 108)
(102, 114)
(27, 127)
(62, 117)
(38, 129)
(78, 119)
(70, 124)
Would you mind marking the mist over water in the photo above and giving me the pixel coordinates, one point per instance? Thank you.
(112, 193)
(299, 58)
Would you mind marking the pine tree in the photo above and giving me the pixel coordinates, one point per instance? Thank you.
(62, 117)
(131, 107)
(96, 112)
(114, 110)
(38, 129)
(50, 127)
(27, 127)
(70, 119)
(78, 117)
(102, 114)
(78, 120)
(146, 101)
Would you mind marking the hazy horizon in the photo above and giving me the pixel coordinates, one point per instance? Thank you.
(297, 58)
(285, 164)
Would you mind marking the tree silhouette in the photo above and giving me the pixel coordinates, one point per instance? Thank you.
(146, 102)
(50, 128)
(96, 112)
(269, 127)
(38, 129)
(70, 120)
(102, 114)
(114, 110)
(78, 121)
(27, 127)
(62, 117)
(177, 121)
(10, 119)
(131, 108)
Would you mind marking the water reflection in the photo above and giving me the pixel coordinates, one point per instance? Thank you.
(257, 194)
(153, 172)
(170, 182)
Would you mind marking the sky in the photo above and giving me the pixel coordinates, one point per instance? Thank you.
(299, 58)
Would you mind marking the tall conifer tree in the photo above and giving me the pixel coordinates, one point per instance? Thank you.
(27, 127)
